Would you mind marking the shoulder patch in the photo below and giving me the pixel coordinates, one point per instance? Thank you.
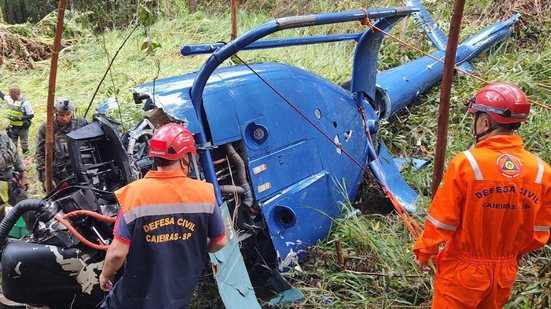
(509, 166)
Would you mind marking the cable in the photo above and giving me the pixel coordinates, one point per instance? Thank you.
(52, 194)
(109, 67)
(73, 231)
(93, 214)
(410, 223)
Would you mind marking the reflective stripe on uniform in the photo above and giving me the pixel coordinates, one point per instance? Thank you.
(440, 224)
(541, 228)
(167, 209)
(16, 111)
(539, 177)
(474, 165)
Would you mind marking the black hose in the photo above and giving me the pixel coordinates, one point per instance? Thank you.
(239, 164)
(17, 211)
(54, 193)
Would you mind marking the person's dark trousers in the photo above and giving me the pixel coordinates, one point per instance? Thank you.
(22, 134)
(108, 302)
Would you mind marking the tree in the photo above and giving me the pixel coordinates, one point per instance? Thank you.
(21, 11)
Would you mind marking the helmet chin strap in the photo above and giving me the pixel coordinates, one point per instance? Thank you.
(478, 136)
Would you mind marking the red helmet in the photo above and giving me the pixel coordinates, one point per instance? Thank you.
(504, 102)
(171, 142)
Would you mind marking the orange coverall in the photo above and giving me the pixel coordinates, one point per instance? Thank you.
(492, 206)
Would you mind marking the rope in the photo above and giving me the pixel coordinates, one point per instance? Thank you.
(367, 22)
(410, 223)
(412, 226)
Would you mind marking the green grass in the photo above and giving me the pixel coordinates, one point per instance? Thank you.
(380, 271)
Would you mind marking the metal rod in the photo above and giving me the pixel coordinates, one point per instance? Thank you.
(445, 93)
(188, 50)
(233, 19)
(49, 151)
(260, 32)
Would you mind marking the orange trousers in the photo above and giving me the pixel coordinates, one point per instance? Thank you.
(462, 282)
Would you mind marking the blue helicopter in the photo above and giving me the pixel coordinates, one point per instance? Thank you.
(289, 136)
(282, 146)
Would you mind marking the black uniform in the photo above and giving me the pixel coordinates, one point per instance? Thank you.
(61, 168)
(9, 163)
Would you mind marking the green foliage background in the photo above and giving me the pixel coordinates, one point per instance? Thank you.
(380, 272)
(21, 11)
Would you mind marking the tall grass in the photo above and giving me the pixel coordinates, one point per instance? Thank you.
(379, 271)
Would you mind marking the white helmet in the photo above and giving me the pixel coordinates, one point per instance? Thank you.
(63, 105)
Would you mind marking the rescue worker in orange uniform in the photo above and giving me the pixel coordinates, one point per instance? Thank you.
(492, 207)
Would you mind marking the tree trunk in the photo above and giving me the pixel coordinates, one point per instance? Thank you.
(21, 11)
(192, 6)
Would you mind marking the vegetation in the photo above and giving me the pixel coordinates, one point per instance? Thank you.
(101, 14)
(379, 271)
(21, 11)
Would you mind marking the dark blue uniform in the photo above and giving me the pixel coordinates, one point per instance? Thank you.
(166, 219)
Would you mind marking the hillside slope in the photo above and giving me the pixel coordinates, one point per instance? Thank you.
(380, 271)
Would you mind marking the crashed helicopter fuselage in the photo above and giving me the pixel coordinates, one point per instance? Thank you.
(275, 140)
